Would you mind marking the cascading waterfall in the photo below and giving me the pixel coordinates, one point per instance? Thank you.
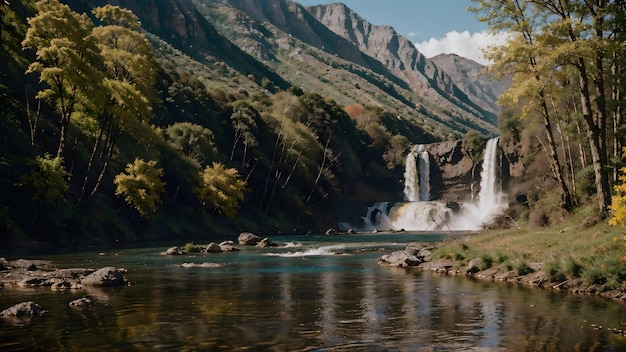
(489, 194)
(411, 179)
(424, 174)
(418, 213)
(417, 175)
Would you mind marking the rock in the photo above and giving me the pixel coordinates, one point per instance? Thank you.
(351, 232)
(35, 281)
(175, 251)
(107, 276)
(201, 265)
(248, 239)
(213, 248)
(266, 242)
(473, 266)
(81, 302)
(65, 285)
(28, 264)
(228, 246)
(4, 264)
(400, 259)
(30, 309)
(330, 232)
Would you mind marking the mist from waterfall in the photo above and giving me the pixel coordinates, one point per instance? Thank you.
(418, 213)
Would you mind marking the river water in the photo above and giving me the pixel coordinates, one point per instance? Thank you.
(324, 293)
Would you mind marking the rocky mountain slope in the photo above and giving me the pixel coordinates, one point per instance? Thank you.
(327, 49)
(241, 45)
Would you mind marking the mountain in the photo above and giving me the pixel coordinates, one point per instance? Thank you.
(326, 49)
(331, 50)
(472, 79)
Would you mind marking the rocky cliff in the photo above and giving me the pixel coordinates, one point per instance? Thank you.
(455, 172)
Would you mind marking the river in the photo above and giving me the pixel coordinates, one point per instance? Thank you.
(322, 293)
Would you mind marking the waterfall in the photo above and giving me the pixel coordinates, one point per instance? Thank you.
(489, 196)
(418, 213)
(417, 175)
(424, 174)
(411, 179)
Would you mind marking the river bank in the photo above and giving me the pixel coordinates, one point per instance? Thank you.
(582, 255)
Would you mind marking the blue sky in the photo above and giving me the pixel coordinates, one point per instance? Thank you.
(434, 26)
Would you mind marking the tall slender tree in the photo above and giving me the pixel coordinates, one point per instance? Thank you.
(68, 59)
(522, 56)
(127, 86)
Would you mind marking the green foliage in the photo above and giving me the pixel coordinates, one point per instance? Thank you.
(141, 186)
(522, 267)
(221, 188)
(474, 144)
(193, 141)
(46, 179)
(486, 262)
(191, 247)
(67, 61)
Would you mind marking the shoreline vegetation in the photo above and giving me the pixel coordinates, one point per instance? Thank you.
(583, 255)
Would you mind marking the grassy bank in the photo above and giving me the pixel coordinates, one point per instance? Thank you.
(582, 254)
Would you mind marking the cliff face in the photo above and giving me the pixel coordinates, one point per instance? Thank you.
(455, 174)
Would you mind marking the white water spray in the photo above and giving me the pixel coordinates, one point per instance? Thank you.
(418, 213)
(489, 197)
(411, 179)
(424, 174)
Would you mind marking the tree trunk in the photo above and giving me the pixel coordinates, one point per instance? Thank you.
(593, 135)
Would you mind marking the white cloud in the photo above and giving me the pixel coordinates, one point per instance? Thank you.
(460, 43)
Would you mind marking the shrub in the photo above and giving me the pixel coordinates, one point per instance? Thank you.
(572, 268)
(486, 261)
(555, 271)
(523, 268)
(192, 247)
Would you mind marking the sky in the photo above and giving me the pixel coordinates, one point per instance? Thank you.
(434, 26)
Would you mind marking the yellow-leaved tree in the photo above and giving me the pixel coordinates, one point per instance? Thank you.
(618, 200)
(141, 186)
(221, 188)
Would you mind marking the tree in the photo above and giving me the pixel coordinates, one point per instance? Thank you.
(141, 186)
(221, 188)
(127, 85)
(523, 55)
(193, 141)
(46, 180)
(618, 201)
(395, 155)
(68, 59)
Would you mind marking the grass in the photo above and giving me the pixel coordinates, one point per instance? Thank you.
(572, 249)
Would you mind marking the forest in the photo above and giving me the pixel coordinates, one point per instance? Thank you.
(105, 139)
(104, 142)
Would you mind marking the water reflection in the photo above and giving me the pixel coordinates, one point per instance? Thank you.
(325, 302)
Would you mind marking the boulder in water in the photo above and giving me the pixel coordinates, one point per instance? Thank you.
(248, 239)
(81, 302)
(228, 246)
(107, 276)
(400, 259)
(330, 232)
(24, 309)
(175, 251)
(213, 248)
(266, 242)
